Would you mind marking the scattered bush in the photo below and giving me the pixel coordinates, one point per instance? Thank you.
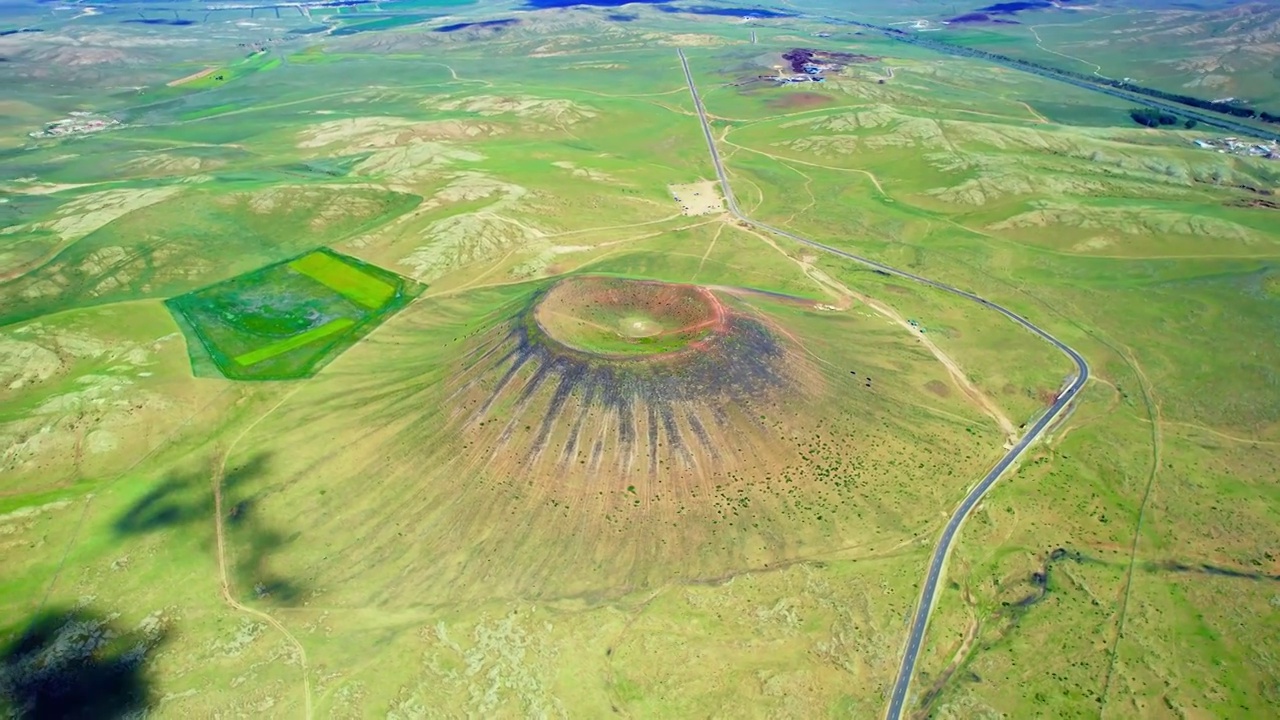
(1152, 117)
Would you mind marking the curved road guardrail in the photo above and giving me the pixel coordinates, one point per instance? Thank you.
(924, 608)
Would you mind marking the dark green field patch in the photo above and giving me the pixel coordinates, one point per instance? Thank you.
(1083, 114)
(280, 323)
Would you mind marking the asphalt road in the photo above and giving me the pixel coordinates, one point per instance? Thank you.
(898, 697)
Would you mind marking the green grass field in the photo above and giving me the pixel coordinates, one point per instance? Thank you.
(283, 312)
(344, 279)
(259, 61)
(1216, 54)
(436, 512)
(297, 341)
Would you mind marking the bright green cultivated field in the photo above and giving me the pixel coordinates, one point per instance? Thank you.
(297, 314)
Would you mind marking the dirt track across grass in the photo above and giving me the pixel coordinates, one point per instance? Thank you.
(192, 77)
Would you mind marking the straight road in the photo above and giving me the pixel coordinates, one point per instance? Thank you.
(898, 696)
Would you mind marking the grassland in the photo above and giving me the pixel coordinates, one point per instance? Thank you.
(257, 61)
(1217, 53)
(345, 279)
(439, 515)
(299, 340)
(1022, 628)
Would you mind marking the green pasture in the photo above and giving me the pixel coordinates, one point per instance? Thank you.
(1152, 46)
(287, 320)
(190, 239)
(209, 111)
(297, 341)
(385, 23)
(261, 61)
(1139, 308)
(345, 279)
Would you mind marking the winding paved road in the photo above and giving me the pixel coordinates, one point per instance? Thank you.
(898, 697)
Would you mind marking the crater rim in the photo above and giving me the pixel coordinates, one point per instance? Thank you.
(626, 319)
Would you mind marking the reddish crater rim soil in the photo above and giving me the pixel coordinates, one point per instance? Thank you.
(622, 319)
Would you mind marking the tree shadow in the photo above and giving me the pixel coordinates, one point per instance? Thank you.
(75, 663)
(185, 500)
(257, 539)
(175, 501)
(1173, 566)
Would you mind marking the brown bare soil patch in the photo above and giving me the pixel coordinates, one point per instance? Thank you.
(800, 100)
(700, 198)
(937, 387)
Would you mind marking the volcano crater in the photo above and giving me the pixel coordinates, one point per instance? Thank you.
(598, 379)
(622, 319)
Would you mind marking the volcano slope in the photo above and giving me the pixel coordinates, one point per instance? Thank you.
(626, 378)
(595, 436)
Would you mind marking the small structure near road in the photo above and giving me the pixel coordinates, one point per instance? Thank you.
(1235, 146)
(809, 65)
